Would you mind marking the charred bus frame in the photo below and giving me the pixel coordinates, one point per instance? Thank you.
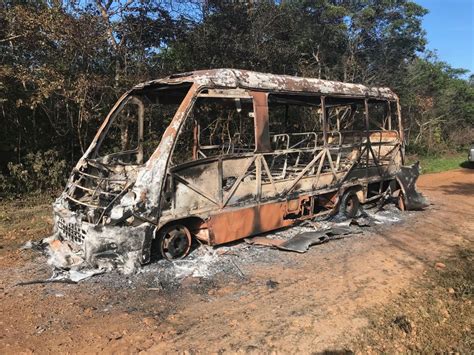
(230, 190)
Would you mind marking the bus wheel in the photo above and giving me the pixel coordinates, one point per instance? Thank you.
(349, 204)
(174, 242)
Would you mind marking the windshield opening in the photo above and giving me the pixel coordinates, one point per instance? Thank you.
(135, 130)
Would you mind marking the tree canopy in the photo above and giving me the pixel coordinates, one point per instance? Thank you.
(64, 63)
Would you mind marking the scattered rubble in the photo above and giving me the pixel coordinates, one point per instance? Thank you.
(205, 262)
(403, 323)
(272, 284)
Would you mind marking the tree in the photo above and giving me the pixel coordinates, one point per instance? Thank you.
(63, 63)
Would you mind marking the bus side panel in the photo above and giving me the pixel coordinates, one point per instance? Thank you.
(237, 224)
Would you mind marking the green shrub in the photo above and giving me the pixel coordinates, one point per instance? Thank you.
(40, 171)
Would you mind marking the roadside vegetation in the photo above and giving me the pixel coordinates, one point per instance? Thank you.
(64, 63)
(437, 313)
(439, 162)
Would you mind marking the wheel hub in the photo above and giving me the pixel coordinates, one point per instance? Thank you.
(175, 242)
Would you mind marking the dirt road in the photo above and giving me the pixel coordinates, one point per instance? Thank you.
(285, 302)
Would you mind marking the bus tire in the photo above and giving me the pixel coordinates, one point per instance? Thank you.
(174, 242)
(350, 204)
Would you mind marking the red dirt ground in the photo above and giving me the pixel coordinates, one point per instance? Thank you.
(318, 301)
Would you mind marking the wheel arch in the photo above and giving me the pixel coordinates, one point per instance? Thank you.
(191, 225)
(359, 190)
(195, 225)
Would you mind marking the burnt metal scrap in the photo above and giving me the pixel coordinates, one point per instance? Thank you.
(413, 199)
(219, 155)
(334, 228)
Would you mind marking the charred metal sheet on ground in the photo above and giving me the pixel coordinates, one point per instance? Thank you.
(301, 242)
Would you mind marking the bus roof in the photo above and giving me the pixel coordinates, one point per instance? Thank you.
(234, 78)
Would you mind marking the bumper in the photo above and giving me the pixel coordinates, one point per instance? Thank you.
(124, 248)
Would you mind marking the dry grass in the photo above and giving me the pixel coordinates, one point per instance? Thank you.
(25, 219)
(434, 316)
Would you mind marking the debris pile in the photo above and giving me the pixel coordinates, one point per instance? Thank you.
(205, 262)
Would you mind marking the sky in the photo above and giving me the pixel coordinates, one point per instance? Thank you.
(450, 30)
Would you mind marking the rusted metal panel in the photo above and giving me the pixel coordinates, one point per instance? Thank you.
(228, 226)
(412, 199)
(262, 131)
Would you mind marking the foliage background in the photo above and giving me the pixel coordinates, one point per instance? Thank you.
(64, 63)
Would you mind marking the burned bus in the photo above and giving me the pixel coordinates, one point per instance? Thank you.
(219, 155)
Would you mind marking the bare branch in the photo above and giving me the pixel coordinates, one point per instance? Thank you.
(10, 38)
(105, 16)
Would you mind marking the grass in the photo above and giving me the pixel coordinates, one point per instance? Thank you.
(24, 219)
(435, 164)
